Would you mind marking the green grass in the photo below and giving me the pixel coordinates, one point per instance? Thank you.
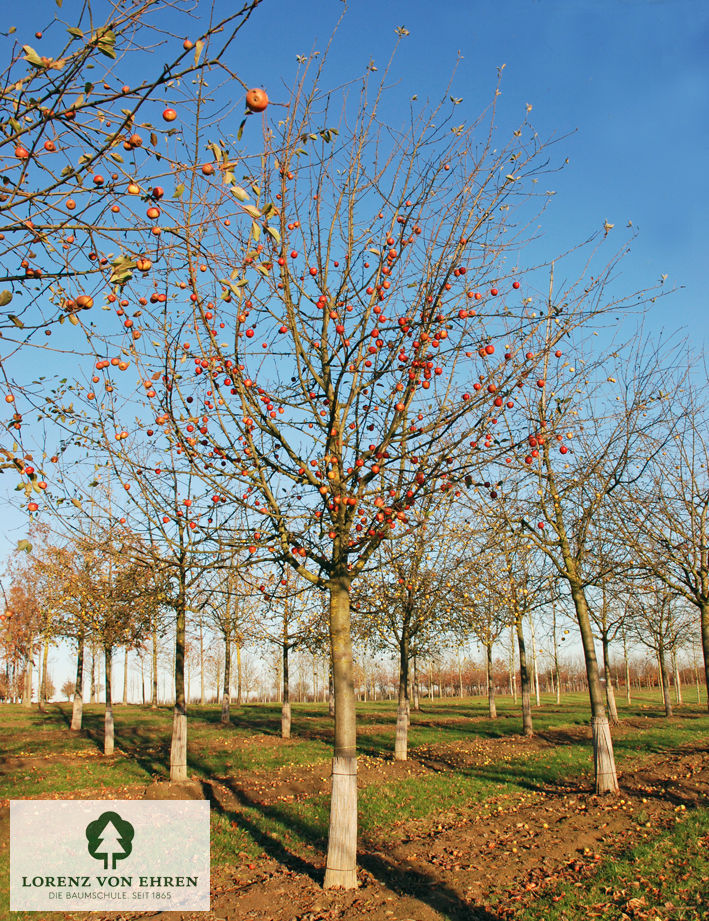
(251, 742)
(666, 878)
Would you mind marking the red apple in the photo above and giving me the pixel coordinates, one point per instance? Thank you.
(256, 100)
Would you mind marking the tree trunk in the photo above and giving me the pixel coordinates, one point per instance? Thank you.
(603, 757)
(43, 681)
(513, 677)
(402, 710)
(627, 668)
(430, 679)
(285, 694)
(108, 718)
(341, 868)
(534, 660)
(95, 678)
(557, 670)
(527, 727)
(77, 709)
(491, 706)
(704, 624)
(226, 694)
(678, 679)
(664, 681)
(416, 701)
(154, 694)
(125, 679)
(239, 694)
(331, 693)
(202, 697)
(27, 684)
(178, 747)
(610, 694)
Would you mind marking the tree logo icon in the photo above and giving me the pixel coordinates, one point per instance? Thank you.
(110, 839)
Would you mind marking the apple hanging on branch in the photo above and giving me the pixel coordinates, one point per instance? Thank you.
(256, 100)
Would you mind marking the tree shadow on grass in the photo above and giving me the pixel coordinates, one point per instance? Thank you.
(404, 880)
(417, 884)
(148, 746)
(268, 843)
(528, 773)
(63, 713)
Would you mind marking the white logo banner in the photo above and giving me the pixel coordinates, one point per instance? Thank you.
(109, 855)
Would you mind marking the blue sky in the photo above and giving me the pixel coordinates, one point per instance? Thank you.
(627, 80)
(623, 83)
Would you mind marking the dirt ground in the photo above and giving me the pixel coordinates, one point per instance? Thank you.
(501, 852)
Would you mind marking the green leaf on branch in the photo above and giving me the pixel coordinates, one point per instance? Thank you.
(240, 193)
(32, 57)
(198, 46)
(77, 33)
(216, 150)
(24, 544)
(5, 297)
(122, 270)
(274, 233)
(179, 191)
(17, 321)
(106, 43)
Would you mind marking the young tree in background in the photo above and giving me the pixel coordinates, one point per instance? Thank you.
(402, 596)
(664, 518)
(292, 619)
(20, 618)
(229, 609)
(582, 452)
(521, 593)
(119, 600)
(482, 614)
(34, 609)
(660, 623)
